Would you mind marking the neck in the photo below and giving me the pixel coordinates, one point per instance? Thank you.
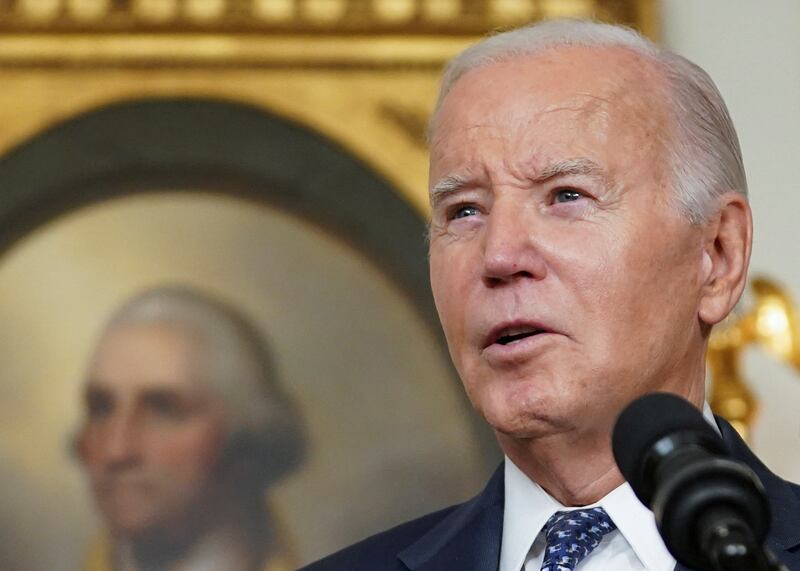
(576, 468)
(577, 478)
(235, 543)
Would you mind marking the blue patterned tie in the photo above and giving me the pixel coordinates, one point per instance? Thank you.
(572, 535)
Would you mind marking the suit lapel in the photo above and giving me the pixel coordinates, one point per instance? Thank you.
(785, 531)
(467, 539)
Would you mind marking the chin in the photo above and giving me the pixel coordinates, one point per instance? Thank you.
(131, 523)
(525, 427)
(129, 519)
(520, 419)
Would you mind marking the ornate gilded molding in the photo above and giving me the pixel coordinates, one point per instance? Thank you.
(412, 122)
(326, 33)
(362, 72)
(372, 17)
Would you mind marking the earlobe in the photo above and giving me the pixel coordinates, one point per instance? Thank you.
(726, 256)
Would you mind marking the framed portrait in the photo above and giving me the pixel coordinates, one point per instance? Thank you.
(321, 255)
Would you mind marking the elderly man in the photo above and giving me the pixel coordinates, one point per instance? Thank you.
(589, 227)
(186, 428)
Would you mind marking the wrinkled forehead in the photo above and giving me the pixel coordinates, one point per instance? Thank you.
(609, 87)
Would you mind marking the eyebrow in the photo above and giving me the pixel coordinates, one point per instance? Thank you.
(450, 184)
(574, 166)
(95, 388)
(453, 184)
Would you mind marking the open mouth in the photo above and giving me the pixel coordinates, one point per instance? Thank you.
(511, 335)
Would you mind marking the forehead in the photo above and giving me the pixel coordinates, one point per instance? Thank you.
(576, 95)
(155, 356)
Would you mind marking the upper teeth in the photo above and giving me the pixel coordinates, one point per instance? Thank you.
(517, 330)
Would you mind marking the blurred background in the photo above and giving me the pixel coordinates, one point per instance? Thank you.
(271, 154)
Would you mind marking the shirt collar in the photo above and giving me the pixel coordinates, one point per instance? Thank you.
(528, 507)
(709, 416)
(637, 524)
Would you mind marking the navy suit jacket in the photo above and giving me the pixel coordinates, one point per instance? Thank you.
(467, 537)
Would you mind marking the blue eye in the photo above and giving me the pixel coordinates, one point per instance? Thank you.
(464, 211)
(567, 195)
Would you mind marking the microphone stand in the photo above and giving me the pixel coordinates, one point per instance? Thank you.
(732, 546)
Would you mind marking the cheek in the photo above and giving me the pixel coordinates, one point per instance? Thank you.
(644, 291)
(90, 447)
(83, 447)
(666, 269)
(441, 275)
(588, 271)
(190, 450)
(450, 284)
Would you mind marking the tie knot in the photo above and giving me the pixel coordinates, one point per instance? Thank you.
(572, 535)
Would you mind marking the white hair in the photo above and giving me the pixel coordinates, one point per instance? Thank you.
(239, 369)
(703, 150)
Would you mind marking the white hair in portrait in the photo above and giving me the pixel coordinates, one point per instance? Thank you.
(705, 158)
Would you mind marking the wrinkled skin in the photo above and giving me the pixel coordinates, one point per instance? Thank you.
(552, 209)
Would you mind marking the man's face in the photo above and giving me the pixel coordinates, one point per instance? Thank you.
(566, 280)
(153, 433)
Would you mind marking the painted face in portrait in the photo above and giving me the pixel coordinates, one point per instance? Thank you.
(153, 434)
(566, 278)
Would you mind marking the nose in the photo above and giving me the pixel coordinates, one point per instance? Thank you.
(510, 245)
(118, 440)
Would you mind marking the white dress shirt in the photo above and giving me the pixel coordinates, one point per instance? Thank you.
(635, 545)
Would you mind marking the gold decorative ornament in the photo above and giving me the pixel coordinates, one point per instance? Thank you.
(771, 323)
(371, 17)
(277, 10)
(395, 10)
(37, 11)
(503, 11)
(156, 11)
(88, 10)
(441, 10)
(205, 10)
(412, 122)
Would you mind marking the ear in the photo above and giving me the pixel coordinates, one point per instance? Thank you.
(728, 239)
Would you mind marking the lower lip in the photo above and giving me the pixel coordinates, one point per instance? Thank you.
(123, 488)
(522, 349)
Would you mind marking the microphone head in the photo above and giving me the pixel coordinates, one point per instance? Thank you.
(647, 420)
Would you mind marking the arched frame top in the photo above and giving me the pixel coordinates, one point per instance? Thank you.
(217, 146)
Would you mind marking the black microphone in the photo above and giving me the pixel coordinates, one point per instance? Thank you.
(710, 509)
